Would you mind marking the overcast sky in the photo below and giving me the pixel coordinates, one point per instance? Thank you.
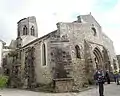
(49, 12)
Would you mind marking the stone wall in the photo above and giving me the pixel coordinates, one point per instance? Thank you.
(89, 62)
(63, 85)
(78, 32)
(61, 55)
(61, 60)
(42, 73)
(28, 22)
(108, 44)
(79, 74)
(118, 58)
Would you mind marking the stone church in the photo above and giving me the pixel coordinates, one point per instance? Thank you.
(64, 59)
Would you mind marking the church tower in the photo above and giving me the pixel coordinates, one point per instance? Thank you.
(27, 31)
(27, 27)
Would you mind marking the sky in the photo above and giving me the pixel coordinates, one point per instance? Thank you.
(49, 12)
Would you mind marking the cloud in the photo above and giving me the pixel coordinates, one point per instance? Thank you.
(110, 23)
(49, 12)
(105, 5)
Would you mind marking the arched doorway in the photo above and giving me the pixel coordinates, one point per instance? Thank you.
(98, 58)
(106, 60)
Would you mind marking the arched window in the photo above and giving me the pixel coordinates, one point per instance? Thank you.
(25, 30)
(77, 49)
(43, 54)
(94, 30)
(32, 31)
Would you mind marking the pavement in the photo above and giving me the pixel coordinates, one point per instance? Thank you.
(110, 90)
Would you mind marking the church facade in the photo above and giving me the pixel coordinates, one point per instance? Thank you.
(65, 58)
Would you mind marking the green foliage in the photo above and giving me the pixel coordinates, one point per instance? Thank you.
(3, 81)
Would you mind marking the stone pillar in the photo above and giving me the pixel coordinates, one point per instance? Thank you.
(89, 62)
(79, 74)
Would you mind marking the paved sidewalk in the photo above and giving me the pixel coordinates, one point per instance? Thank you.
(110, 90)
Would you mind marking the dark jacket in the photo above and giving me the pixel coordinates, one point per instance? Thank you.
(99, 76)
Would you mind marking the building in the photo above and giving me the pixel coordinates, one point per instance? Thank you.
(2, 43)
(65, 58)
(118, 58)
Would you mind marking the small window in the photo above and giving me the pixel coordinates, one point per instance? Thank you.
(25, 30)
(32, 31)
(94, 30)
(43, 55)
(77, 49)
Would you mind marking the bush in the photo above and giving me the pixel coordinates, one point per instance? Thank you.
(3, 81)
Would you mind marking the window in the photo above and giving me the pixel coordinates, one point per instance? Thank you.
(32, 31)
(77, 49)
(25, 30)
(43, 54)
(94, 30)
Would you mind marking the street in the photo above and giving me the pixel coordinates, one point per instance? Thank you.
(110, 90)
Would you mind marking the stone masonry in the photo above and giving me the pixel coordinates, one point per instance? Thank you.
(67, 56)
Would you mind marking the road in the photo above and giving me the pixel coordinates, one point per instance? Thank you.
(110, 90)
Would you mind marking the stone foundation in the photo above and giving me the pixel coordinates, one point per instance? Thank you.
(63, 85)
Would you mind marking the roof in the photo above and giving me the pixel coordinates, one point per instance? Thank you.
(26, 18)
(21, 20)
(27, 39)
(13, 44)
(39, 38)
(88, 18)
(104, 35)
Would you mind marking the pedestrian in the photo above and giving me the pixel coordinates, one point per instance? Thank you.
(116, 75)
(107, 75)
(100, 79)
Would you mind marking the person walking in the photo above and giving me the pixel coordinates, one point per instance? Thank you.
(116, 75)
(107, 75)
(99, 77)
